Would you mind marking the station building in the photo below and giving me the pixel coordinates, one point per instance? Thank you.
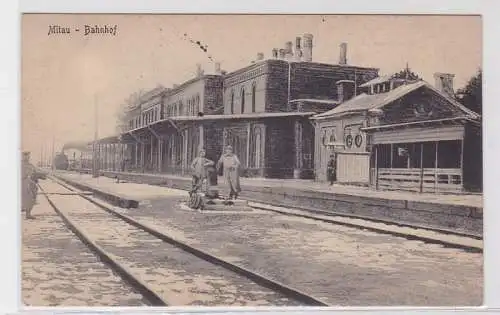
(285, 115)
(262, 110)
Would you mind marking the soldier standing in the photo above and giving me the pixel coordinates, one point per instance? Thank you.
(230, 163)
(29, 188)
(331, 169)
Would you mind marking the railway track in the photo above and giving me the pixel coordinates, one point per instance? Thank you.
(446, 238)
(164, 269)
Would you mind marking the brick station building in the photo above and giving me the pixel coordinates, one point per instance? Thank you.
(262, 110)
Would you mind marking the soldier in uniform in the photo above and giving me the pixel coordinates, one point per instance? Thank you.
(332, 169)
(230, 164)
(28, 185)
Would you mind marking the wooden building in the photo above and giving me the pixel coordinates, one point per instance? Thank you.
(400, 133)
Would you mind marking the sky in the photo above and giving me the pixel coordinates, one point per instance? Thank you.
(63, 76)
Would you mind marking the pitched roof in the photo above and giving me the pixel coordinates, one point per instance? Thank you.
(377, 80)
(365, 101)
(369, 101)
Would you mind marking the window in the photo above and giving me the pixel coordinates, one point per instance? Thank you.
(181, 108)
(242, 100)
(232, 102)
(198, 109)
(257, 149)
(254, 90)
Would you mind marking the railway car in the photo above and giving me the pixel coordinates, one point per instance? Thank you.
(61, 162)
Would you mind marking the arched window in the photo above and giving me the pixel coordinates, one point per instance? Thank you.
(242, 100)
(257, 148)
(232, 102)
(254, 91)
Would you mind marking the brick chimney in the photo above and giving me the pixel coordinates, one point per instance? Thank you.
(298, 49)
(288, 50)
(275, 53)
(343, 54)
(199, 70)
(217, 68)
(444, 83)
(308, 46)
(260, 56)
(345, 90)
(282, 53)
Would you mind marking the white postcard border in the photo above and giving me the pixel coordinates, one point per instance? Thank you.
(10, 98)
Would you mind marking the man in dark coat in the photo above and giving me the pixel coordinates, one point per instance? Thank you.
(29, 188)
(331, 169)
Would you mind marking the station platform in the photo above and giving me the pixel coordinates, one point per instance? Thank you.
(456, 212)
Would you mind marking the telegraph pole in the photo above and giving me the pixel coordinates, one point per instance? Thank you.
(53, 152)
(41, 156)
(95, 171)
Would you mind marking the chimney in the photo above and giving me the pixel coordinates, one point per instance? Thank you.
(260, 56)
(288, 50)
(444, 83)
(307, 49)
(343, 54)
(275, 53)
(345, 90)
(199, 70)
(217, 68)
(282, 53)
(298, 49)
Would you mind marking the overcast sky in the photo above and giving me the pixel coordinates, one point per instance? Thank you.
(63, 75)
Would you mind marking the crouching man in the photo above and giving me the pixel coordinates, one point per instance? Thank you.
(199, 169)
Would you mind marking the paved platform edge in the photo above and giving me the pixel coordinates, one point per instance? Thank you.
(454, 217)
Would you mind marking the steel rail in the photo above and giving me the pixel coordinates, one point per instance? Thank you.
(261, 280)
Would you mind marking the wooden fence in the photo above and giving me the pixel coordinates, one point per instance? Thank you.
(416, 179)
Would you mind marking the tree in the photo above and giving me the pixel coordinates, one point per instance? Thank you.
(123, 113)
(471, 96)
(406, 74)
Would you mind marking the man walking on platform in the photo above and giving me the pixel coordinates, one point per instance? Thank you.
(28, 185)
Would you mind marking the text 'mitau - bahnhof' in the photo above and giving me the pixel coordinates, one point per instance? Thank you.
(285, 115)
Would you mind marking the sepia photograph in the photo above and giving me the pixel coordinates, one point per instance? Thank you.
(251, 160)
